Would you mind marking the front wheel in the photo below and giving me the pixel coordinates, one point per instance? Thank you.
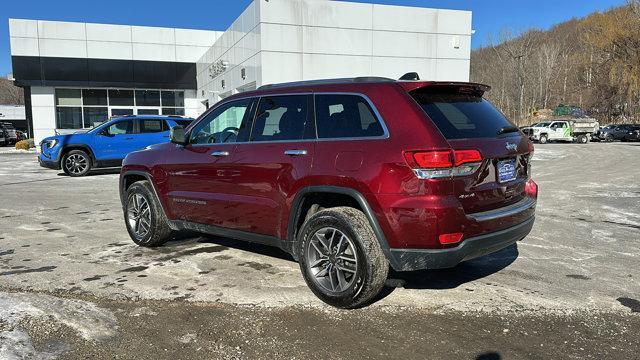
(146, 223)
(341, 259)
(543, 139)
(76, 163)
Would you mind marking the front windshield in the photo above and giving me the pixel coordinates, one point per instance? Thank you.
(95, 126)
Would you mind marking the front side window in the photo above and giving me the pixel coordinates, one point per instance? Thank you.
(280, 118)
(345, 116)
(120, 128)
(222, 125)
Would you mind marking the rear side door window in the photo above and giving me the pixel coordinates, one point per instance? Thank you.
(152, 126)
(345, 116)
(281, 118)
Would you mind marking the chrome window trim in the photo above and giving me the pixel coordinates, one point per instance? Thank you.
(385, 135)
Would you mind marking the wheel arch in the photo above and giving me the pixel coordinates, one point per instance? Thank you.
(129, 177)
(295, 219)
(69, 147)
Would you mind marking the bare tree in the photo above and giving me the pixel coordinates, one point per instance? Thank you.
(10, 94)
(516, 51)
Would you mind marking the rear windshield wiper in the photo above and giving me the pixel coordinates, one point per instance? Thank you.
(507, 129)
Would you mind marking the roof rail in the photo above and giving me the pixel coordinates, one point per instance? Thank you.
(364, 79)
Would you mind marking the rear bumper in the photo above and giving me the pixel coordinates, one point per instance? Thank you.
(421, 259)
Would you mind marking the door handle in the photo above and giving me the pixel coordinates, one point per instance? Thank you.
(220, 153)
(295, 152)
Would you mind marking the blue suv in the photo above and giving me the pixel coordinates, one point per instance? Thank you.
(106, 144)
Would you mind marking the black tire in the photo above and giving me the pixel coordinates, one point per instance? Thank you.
(371, 267)
(76, 163)
(543, 139)
(158, 231)
(582, 139)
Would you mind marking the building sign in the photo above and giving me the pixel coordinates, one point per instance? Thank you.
(218, 68)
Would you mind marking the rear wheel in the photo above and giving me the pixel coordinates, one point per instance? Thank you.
(341, 259)
(146, 223)
(583, 139)
(76, 163)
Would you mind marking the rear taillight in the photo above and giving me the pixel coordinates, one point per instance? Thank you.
(439, 164)
(466, 157)
(531, 189)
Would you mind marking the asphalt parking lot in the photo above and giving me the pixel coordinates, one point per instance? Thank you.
(73, 285)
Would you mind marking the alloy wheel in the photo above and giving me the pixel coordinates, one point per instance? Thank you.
(139, 215)
(331, 259)
(76, 164)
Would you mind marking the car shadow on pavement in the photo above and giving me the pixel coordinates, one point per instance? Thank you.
(97, 172)
(463, 273)
(265, 250)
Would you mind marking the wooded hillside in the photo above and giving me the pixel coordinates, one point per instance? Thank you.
(10, 94)
(593, 63)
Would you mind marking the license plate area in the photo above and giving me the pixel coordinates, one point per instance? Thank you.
(507, 170)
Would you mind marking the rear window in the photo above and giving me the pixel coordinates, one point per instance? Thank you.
(460, 115)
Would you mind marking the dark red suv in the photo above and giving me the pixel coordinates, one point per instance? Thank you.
(350, 176)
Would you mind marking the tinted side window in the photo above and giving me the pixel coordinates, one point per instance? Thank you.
(345, 116)
(121, 128)
(222, 125)
(280, 118)
(152, 126)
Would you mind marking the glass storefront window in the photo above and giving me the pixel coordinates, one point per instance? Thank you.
(148, 112)
(121, 112)
(68, 97)
(84, 108)
(95, 115)
(173, 98)
(173, 111)
(121, 97)
(68, 117)
(147, 98)
(94, 97)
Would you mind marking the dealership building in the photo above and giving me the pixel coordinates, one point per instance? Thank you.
(78, 74)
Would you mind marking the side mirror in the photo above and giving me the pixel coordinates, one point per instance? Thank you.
(177, 135)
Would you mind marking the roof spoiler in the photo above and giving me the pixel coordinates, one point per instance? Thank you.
(463, 87)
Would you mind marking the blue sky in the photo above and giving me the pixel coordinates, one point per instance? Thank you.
(489, 16)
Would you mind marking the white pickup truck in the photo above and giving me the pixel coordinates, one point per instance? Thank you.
(573, 130)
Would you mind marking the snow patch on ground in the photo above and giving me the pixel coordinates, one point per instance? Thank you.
(89, 321)
(16, 151)
(548, 154)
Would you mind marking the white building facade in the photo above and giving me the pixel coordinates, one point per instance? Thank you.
(77, 74)
(292, 40)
